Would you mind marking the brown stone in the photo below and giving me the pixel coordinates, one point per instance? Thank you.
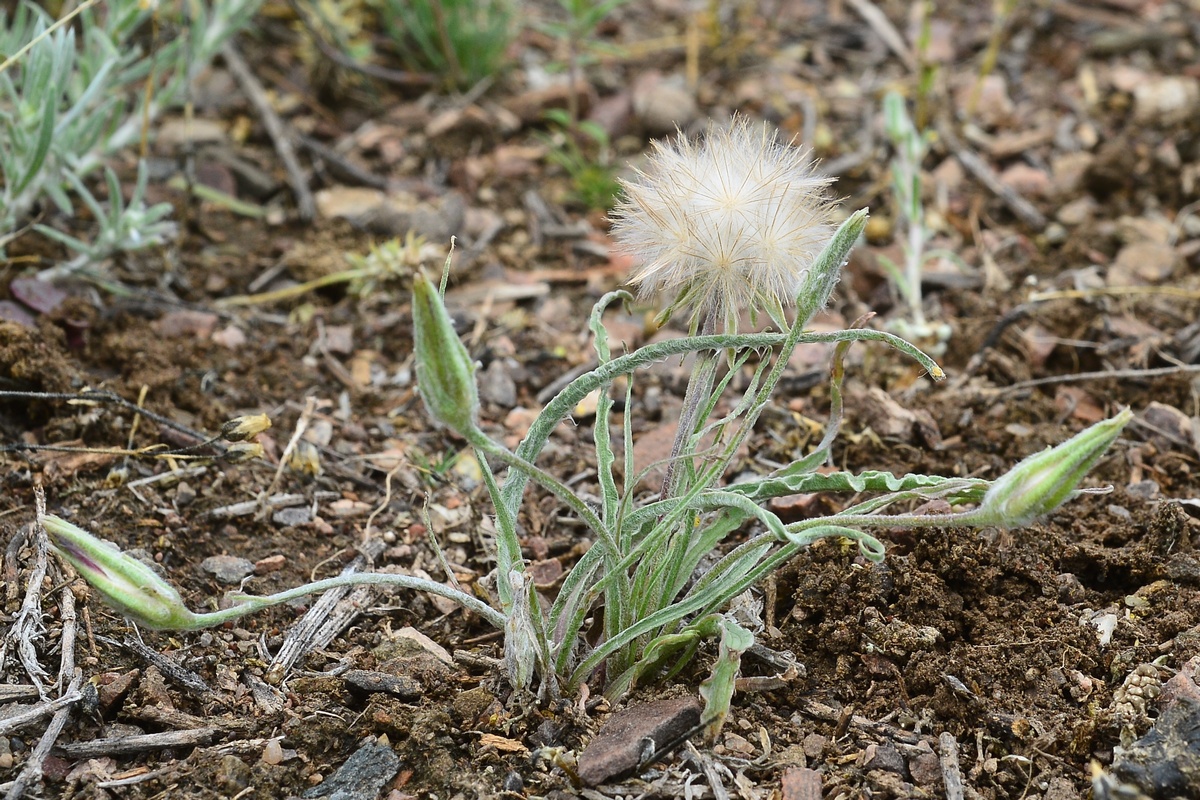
(634, 735)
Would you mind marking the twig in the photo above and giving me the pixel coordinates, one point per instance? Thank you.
(138, 743)
(170, 668)
(709, 768)
(66, 643)
(248, 507)
(951, 772)
(885, 29)
(32, 771)
(94, 397)
(310, 408)
(328, 616)
(975, 165)
(36, 712)
(343, 164)
(66, 20)
(27, 627)
(275, 129)
(11, 693)
(1123, 374)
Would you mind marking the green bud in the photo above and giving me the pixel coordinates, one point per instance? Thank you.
(125, 583)
(445, 373)
(1045, 480)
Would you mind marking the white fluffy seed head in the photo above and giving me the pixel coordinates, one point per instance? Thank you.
(730, 223)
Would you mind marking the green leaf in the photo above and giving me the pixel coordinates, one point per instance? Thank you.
(717, 689)
(798, 479)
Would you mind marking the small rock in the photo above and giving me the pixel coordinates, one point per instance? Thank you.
(1184, 684)
(1067, 172)
(112, 688)
(1026, 180)
(1060, 789)
(629, 736)
(662, 104)
(362, 777)
(473, 705)
(199, 324)
(1077, 211)
(497, 386)
(530, 107)
(1141, 263)
(993, 106)
(546, 573)
(885, 757)
(654, 448)
(1166, 99)
(289, 517)
(1154, 228)
(1147, 490)
(738, 745)
(229, 570)
(273, 752)
(1165, 762)
(339, 339)
(1167, 425)
(925, 767)
(800, 783)
(269, 564)
(233, 775)
(231, 337)
(173, 133)
(13, 312)
(890, 420)
(185, 495)
(1070, 588)
(814, 745)
(417, 641)
(373, 682)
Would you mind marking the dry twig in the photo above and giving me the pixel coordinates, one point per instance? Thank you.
(951, 772)
(276, 129)
(327, 618)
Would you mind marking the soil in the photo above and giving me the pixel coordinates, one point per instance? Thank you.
(976, 663)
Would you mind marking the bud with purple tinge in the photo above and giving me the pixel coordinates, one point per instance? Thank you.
(126, 584)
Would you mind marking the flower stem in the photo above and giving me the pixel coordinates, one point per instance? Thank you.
(696, 397)
(248, 604)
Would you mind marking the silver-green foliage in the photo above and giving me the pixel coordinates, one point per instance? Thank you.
(910, 147)
(78, 96)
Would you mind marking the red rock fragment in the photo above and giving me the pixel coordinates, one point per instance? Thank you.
(632, 735)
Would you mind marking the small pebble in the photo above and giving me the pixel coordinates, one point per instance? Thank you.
(288, 517)
(273, 752)
(229, 570)
(269, 564)
(184, 494)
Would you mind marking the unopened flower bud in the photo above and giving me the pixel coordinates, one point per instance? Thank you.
(239, 429)
(1045, 480)
(445, 374)
(238, 452)
(125, 583)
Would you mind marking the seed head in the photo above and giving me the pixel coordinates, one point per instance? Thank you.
(730, 223)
